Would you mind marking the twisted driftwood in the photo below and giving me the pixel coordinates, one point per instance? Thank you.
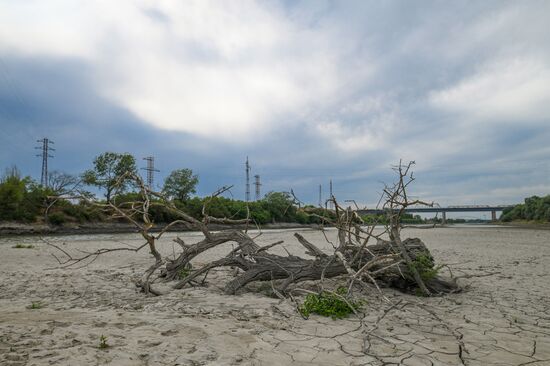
(387, 266)
(392, 262)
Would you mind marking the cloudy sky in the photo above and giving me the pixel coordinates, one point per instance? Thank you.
(309, 90)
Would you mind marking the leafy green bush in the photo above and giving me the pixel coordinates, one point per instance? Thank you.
(21, 198)
(533, 209)
(57, 218)
(183, 273)
(329, 304)
(260, 215)
(302, 217)
(280, 206)
(75, 211)
(424, 264)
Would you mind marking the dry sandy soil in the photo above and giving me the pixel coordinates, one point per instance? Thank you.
(502, 318)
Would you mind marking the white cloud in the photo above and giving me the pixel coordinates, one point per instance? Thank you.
(313, 86)
(223, 69)
(500, 91)
(371, 135)
(362, 124)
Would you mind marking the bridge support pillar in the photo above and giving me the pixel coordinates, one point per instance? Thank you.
(444, 218)
(493, 216)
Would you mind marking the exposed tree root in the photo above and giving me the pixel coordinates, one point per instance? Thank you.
(403, 264)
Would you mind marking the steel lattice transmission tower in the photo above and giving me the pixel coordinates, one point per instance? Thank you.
(45, 154)
(150, 170)
(247, 166)
(257, 184)
(331, 196)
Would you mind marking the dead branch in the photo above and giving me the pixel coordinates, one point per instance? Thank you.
(355, 257)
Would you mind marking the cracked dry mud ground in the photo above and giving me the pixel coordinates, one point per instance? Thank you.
(502, 319)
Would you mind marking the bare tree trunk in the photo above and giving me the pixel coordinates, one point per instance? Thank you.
(388, 263)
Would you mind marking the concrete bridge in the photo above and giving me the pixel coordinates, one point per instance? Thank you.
(423, 209)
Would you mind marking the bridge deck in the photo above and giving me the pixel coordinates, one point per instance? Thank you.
(442, 209)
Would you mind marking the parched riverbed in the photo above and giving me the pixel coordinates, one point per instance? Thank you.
(502, 317)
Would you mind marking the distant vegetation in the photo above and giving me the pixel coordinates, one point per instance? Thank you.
(24, 200)
(534, 209)
(21, 198)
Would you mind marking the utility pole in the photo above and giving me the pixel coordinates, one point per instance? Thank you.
(320, 196)
(150, 170)
(45, 155)
(257, 184)
(247, 165)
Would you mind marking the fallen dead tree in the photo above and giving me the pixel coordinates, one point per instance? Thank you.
(363, 256)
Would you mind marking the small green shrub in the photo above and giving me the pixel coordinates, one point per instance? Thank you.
(23, 246)
(103, 342)
(57, 218)
(36, 305)
(425, 266)
(184, 272)
(329, 304)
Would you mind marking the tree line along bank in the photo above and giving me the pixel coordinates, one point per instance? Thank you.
(22, 199)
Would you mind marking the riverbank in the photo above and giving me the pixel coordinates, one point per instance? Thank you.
(21, 229)
(521, 224)
(60, 316)
(18, 229)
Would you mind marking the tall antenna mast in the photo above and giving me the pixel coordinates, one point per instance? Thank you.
(150, 170)
(320, 196)
(45, 155)
(247, 165)
(257, 184)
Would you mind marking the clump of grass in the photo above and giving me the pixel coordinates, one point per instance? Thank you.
(103, 342)
(330, 304)
(36, 305)
(183, 273)
(23, 246)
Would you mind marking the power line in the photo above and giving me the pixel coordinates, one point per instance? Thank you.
(45, 155)
(150, 170)
(257, 184)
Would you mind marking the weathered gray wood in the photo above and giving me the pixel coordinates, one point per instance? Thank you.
(311, 249)
(258, 265)
(246, 245)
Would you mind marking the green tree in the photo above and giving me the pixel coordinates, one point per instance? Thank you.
(21, 199)
(281, 206)
(12, 193)
(535, 208)
(108, 170)
(180, 184)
